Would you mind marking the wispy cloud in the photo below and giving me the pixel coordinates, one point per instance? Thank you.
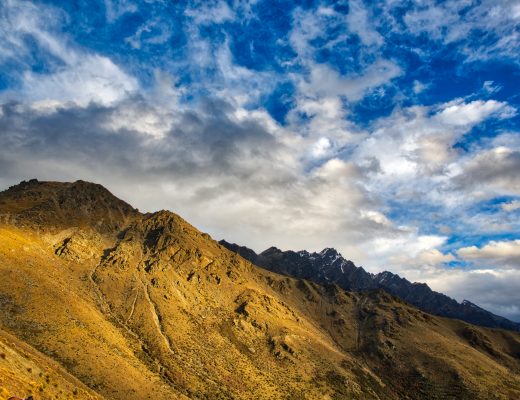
(72, 73)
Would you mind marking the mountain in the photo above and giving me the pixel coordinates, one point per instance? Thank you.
(329, 266)
(100, 301)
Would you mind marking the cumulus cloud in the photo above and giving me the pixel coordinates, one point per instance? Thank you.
(420, 141)
(324, 124)
(429, 257)
(207, 159)
(460, 113)
(321, 148)
(496, 168)
(406, 250)
(201, 160)
(498, 253)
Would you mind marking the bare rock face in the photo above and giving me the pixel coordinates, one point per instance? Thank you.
(79, 245)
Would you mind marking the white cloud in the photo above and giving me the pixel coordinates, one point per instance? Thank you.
(492, 170)
(377, 217)
(324, 81)
(459, 113)
(324, 117)
(80, 75)
(495, 254)
(239, 84)
(140, 117)
(151, 32)
(429, 257)
(419, 87)
(458, 21)
(117, 8)
(94, 78)
(359, 23)
(306, 27)
(417, 143)
(511, 206)
(490, 87)
(399, 251)
(211, 12)
(20, 19)
(321, 148)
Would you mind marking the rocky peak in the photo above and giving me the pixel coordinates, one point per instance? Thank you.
(271, 251)
(51, 205)
(384, 276)
(329, 252)
(304, 253)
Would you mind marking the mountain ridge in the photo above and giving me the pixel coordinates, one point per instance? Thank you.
(145, 306)
(330, 266)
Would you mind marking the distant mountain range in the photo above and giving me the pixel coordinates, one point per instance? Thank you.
(329, 266)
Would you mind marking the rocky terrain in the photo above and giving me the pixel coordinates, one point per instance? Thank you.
(328, 266)
(98, 300)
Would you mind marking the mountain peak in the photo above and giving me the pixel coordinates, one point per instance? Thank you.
(329, 252)
(271, 251)
(48, 205)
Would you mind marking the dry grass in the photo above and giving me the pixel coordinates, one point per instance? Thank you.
(157, 307)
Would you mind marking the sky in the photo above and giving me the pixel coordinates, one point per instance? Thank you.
(386, 129)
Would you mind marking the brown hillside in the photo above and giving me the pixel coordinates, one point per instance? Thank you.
(146, 306)
(25, 371)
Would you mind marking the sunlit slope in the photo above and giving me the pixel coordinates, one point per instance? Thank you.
(25, 371)
(156, 309)
(52, 304)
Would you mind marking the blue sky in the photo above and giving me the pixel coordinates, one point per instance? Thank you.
(389, 130)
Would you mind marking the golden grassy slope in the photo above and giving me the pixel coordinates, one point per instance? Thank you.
(25, 371)
(157, 309)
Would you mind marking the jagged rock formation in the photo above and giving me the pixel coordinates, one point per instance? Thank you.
(328, 266)
(146, 306)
